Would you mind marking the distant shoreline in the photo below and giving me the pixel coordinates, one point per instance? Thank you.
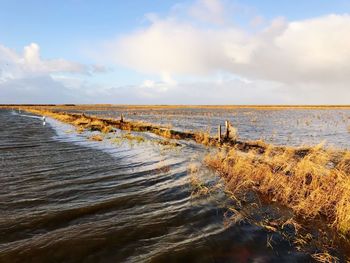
(170, 106)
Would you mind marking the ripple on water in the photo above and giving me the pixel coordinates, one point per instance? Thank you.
(67, 199)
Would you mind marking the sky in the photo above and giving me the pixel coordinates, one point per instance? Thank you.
(175, 52)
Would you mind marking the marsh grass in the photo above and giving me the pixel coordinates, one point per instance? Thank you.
(202, 137)
(277, 220)
(198, 186)
(131, 137)
(80, 129)
(325, 257)
(168, 143)
(93, 123)
(202, 183)
(96, 137)
(313, 185)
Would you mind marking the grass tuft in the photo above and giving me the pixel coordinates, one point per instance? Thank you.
(312, 185)
(96, 137)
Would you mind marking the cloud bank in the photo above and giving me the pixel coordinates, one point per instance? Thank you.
(30, 64)
(27, 78)
(310, 57)
(311, 50)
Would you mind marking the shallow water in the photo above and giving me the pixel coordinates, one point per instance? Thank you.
(281, 127)
(64, 198)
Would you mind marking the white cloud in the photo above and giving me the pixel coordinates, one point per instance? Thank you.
(318, 48)
(257, 21)
(212, 11)
(311, 54)
(27, 78)
(15, 65)
(177, 48)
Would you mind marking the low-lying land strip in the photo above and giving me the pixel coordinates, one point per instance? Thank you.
(148, 107)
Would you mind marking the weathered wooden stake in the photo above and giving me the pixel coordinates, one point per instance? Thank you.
(121, 117)
(227, 124)
(219, 133)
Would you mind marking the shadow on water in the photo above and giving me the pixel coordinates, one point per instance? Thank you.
(64, 198)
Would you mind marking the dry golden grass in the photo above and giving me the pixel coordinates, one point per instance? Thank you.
(166, 133)
(80, 129)
(82, 121)
(168, 143)
(314, 185)
(324, 258)
(202, 138)
(96, 137)
(132, 137)
(199, 188)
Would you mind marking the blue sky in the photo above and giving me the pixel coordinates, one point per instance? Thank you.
(80, 21)
(108, 34)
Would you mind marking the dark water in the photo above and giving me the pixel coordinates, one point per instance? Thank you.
(281, 127)
(64, 198)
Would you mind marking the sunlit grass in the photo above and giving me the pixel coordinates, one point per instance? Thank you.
(198, 186)
(324, 257)
(96, 137)
(132, 137)
(315, 183)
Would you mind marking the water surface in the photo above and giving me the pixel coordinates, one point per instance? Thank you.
(64, 198)
(281, 127)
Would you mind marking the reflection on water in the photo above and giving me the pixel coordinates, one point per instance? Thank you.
(64, 198)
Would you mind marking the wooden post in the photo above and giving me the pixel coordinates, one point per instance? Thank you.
(121, 117)
(227, 124)
(219, 133)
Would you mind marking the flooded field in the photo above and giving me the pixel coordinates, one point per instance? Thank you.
(65, 197)
(294, 127)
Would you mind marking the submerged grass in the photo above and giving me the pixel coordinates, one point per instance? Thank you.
(105, 125)
(314, 184)
(84, 122)
(96, 137)
(199, 188)
(132, 137)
